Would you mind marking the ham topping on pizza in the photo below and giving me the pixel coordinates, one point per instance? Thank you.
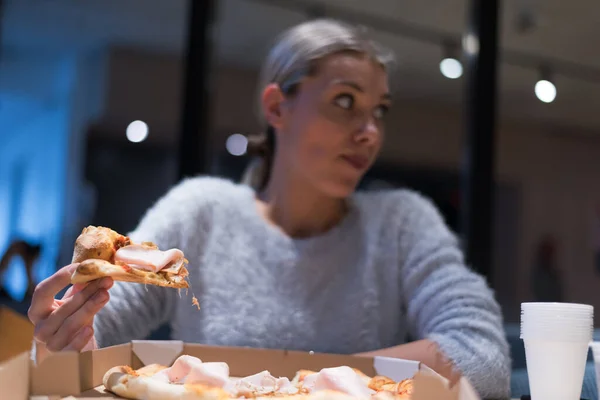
(191, 370)
(260, 384)
(340, 379)
(149, 258)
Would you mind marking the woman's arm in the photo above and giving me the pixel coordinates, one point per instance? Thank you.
(450, 305)
(135, 310)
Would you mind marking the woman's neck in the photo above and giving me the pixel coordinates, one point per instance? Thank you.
(298, 209)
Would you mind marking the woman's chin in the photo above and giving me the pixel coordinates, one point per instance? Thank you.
(340, 189)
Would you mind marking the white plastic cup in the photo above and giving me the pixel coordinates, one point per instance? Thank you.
(556, 338)
(595, 346)
(556, 333)
(583, 338)
(555, 369)
(557, 321)
(563, 325)
(562, 306)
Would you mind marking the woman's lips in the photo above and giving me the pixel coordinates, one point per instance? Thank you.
(358, 162)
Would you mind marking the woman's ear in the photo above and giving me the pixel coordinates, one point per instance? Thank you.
(272, 101)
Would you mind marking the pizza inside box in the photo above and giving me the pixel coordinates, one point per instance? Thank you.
(73, 375)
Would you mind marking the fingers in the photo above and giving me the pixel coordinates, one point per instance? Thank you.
(46, 328)
(43, 296)
(74, 323)
(78, 287)
(81, 339)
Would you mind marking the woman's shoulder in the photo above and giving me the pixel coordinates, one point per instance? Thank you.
(184, 207)
(401, 202)
(409, 214)
(205, 188)
(407, 208)
(196, 194)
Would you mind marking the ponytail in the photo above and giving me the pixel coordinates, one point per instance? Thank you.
(261, 146)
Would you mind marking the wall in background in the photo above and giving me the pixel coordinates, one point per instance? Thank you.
(46, 101)
(32, 165)
(555, 173)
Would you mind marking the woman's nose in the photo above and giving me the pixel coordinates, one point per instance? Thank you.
(369, 132)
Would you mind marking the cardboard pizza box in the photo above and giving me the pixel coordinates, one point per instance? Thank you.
(16, 333)
(73, 375)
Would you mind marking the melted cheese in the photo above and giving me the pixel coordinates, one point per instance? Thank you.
(260, 384)
(150, 258)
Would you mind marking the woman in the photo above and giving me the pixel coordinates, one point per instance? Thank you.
(303, 262)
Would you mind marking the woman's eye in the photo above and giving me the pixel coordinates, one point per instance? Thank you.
(380, 112)
(344, 101)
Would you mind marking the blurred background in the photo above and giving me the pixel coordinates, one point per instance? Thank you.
(97, 97)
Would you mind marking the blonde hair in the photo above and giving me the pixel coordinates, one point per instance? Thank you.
(294, 56)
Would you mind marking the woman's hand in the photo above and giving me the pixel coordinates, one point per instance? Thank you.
(66, 324)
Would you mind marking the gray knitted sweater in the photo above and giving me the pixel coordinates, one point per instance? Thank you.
(391, 271)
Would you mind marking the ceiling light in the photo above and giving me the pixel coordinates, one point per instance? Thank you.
(137, 131)
(450, 66)
(237, 144)
(545, 90)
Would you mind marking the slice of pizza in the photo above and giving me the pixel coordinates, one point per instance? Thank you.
(192, 379)
(102, 252)
(354, 382)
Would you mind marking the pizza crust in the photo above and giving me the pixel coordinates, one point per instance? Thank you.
(98, 243)
(127, 383)
(89, 270)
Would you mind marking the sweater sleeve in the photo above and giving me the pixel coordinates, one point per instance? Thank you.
(450, 304)
(135, 310)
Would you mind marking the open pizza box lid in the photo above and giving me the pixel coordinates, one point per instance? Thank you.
(73, 375)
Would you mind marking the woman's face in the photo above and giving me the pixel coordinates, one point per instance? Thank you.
(330, 132)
